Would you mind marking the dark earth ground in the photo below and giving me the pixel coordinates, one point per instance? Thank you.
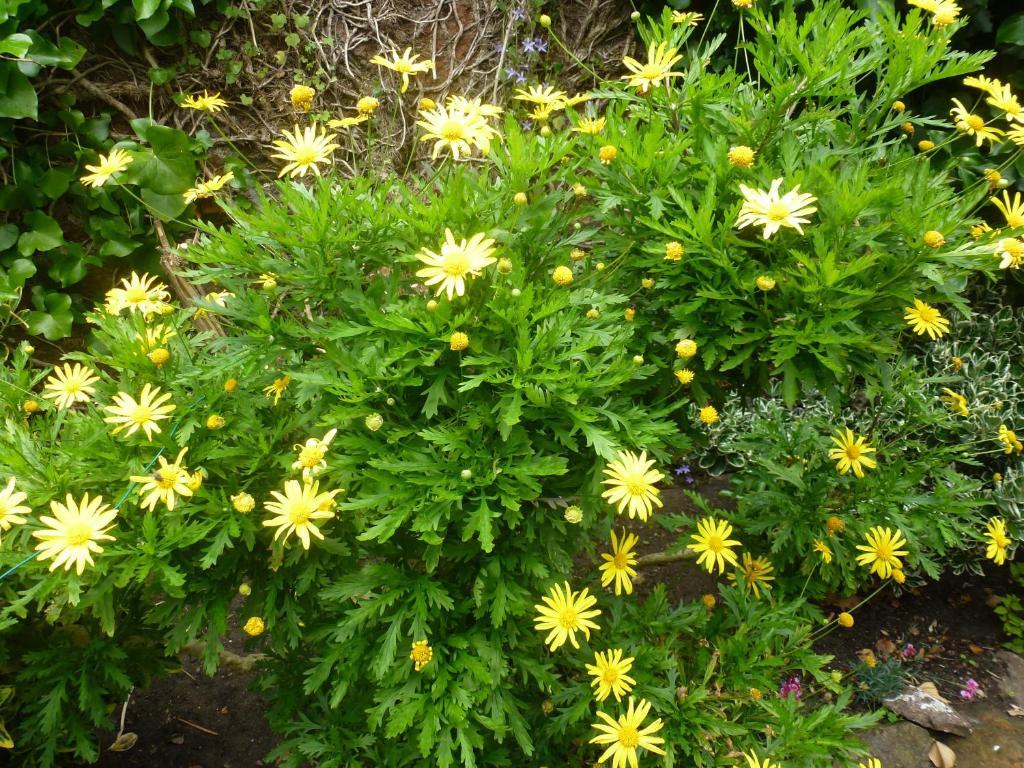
(188, 720)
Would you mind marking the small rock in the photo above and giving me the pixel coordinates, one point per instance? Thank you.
(1012, 683)
(918, 707)
(903, 745)
(177, 739)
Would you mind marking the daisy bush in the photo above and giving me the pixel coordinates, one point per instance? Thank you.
(414, 436)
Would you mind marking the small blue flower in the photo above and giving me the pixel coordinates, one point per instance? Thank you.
(518, 14)
(529, 45)
(541, 46)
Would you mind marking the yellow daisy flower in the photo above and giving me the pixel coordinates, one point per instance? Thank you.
(473, 107)
(71, 536)
(944, 12)
(302, 97)
(164, 482)
(974, 125)
(998, 541)
(1005, 101)
(204, 189)
(298, 509)
(113, 163)
(618, 566)
(873, 762)
(542, 95)
(347, 122)
(1010, 252)
(304, 151)
(713, 544)
(1009, 439)
(143, 414)
(138, 293)
(690, 18)
(655, 70)
(563, 614)
(1012, 209)
(882, 551)
(989, 85)
(69, 385)
(753, 761)
(628, 734)
(851, 453)
(631, 482)
(405, 65)
(208, 102)
(449, 127)
(276, 389)
(311, 455)
(611, 674)
(754, 573)
(772, 210)
(456, 261)
(956, 402)
(924, 318)
(824, 550)
(367, 105)
(590, 125)
(421, 654)
(12, 511)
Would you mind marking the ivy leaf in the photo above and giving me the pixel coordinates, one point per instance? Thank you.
(168, 167)
(166, 207)
(16, 45)
(44, 234)
(17, 96)
(53, 318)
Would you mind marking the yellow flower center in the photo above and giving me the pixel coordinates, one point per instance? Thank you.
(610, 675)
(651, 71)
(927, 315)
(305, 155)
(299, 513)
(421, 653)
(568, 618)
(620, 561)
(778, 211)
(167, 477)
(883, 551)
(78, 533)
(142, 414)
(403, 66)
(715, 543)
(629, 737)
(453, 130)
(975, 123)
(312, 455)
(853, 451)
(635, 484)
(135, 295)
(72, 387)
(456, 262)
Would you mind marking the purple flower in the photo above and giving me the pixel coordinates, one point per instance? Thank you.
(909, 651)
(791, 686)
(970, 690)
(527, 125)
(682, 469)
(499, 49)
(518, 14)
(529, 45)
(541, 45)
(515, 74)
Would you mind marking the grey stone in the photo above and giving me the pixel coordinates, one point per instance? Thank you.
(903, 745)
(918, 707)
(1012, 683)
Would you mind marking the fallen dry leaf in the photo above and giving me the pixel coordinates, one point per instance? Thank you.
(1015, 711)
(977, 650)
(931, 690)
(885, 646)
(941, 755)
(993, 600)
(124, 742)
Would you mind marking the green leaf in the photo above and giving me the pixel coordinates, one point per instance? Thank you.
(146, 8)
(1011, 31)
(54, 319)
(45, 234)
(8, 236)
(17, 96)
(66, 55)
(16, 45)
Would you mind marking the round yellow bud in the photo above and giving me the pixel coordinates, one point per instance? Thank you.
(504, 266)
(302, 97)
(159, 356)
(195, 481)
(898, 576)
(268, 281)
(765, 282)
(215, 422)
(545, 130)
(673, 251)
(629, 314)
(230, 385)
(562, 275)
(244, 590)
(709, 414)
(934, 239)
(836, 675)
(638, 359)
(908, 128)
(709, 601)
(459, 341)
(993, 177)
(635, 16)
(544, 20)
(997, 477)
(741, 4)
(519, 198)
(547, 706)
(368, 105)
(30, 406)
(741, 156)
(926, 146)
(845, 620)
(466, 474)
(684, 375)
(686, 348)
(599, 266)
(431, 306)
(29, 349)
(899, 107)
(243, 502)
(835, 525)
(573, 515)
(254, 627)
(577, 254)
(593, 314)
(426, 103)
(755, 694)
(607, 153)
(374, 422)
(579, 190)
(516, 293)
(647, 282)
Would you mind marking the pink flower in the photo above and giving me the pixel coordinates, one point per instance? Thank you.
(970, 689)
